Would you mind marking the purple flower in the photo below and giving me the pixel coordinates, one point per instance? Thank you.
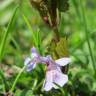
(30, 62)
(54, 75)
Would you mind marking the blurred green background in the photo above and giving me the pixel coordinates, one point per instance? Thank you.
(82, 81)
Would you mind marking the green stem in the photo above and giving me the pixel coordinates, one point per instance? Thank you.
(87, 36)
(14, 84)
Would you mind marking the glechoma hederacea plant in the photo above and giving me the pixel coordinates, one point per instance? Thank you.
(55, 63)
(47, 64)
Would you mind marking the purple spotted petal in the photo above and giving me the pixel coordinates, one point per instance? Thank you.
(60, 79)
(52, 77)
(48, 81)
(63, 61)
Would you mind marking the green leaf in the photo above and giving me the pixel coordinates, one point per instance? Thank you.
(29, 93)
(23, 93)
(4, 39)
(59, 49)
(18, 93)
